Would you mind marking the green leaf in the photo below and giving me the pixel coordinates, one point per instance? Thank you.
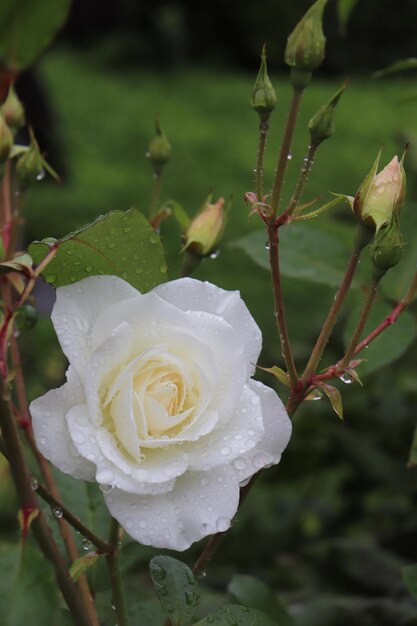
(397, 66)
(83, 564)
(278, 373)
(335, 398)
(390, 344)
(20, 263)
(120, 244)
(410, 578)
(236, 615)
(27, 27)
(176, 587)
(318, 254)
(28, 592)
(257, 595)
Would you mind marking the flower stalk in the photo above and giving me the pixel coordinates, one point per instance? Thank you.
(118, 594)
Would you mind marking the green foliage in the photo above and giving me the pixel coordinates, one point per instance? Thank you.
(236, 615)
(314, 253)
(254, 593)
(28, 592)
(390, 344)
(120, 244)
(176, 587)
(27, 27)
(344, 11)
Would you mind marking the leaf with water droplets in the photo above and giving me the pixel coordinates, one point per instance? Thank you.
(121, 243)
(335, 398)
(237, 615)
(176, 587)
(256, 594)
(83, 564)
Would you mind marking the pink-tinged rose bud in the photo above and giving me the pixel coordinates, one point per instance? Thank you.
(380, 194)
(205, 230)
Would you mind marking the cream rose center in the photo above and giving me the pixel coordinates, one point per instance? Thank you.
(156, 396)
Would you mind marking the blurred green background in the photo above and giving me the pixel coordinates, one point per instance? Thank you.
(332, 526)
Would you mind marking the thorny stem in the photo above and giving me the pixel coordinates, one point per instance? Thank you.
(259, 172)
(285, 149)
(118, 595)
(362, 239)
(104, 547)
(64, 529)
(302, 179)
(392, 317)
(367, 305)
(39, 526)
(279, 305)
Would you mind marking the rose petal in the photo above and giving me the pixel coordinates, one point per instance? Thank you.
(76, 309)
(113, 468)
(277, 434)
(199, 505)
(189, 294)
(51, 431)
(240, 434)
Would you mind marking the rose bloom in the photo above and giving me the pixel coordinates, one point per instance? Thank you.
(158, 406)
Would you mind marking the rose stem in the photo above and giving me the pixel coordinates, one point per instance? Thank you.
(285, 149)
(367, 305)
(279, 304)
(362, 239)
(259, 172)
(39, 526)
(392, 317)
(104, 547)
(302, 179)
(156, 191)
(64, 530)
(118, 596)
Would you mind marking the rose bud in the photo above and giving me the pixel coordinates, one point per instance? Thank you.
(30, 165)
(321, 125)
(264, 98)
(380, 194)
(387, 246)
(305, 45)
(13, 111)
(6, 140)
(205, 229)
(159, 148)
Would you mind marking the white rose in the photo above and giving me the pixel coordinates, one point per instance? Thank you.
(158, 407)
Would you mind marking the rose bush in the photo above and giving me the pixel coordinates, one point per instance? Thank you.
(158, 406)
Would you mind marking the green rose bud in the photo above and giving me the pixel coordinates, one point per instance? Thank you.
(159, 148)
(264, 98)
(205, 229)
(13, 111)
(6, 140)
(380, 195)
(387, 246)
(321, 125)
(306, 45)
(30, 165)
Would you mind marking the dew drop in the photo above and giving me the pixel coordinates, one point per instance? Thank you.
(222, 524)
(34, 484)
(226, 450)
(142, 523)
(239, 464)
(40, 175)
(86, 544)
(215, 254)
(148, 155)
(106, 488)
(57, 512)
(51, 278)
(316, 395)
(289, 156)
(88, 268)
(267, 245)
(346, 378)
